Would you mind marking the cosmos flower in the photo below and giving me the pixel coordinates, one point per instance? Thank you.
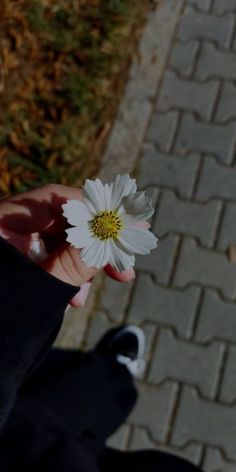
(108, 224)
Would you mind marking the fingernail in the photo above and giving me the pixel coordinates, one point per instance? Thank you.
(84, 291)
(131, 274)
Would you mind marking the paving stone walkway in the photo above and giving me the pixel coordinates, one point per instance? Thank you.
(184, 294)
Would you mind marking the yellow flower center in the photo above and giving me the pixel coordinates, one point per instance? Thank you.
(105, 225)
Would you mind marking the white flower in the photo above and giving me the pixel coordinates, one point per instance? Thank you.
(107, 223)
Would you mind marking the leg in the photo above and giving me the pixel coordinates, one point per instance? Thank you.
(143, 461)
(89, 392)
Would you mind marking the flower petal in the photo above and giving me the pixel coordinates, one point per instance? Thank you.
(76, 212)
(107, 253)
(97, 195)
(108, 188)
(89, 253)
(123, 185)
(102, 256)
(95, 255)
(79, 236)
(137, 240)
(119, 259)
(128, 221)
(138, 205)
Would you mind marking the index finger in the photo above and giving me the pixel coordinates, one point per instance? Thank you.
(38, 210)
(125, 276)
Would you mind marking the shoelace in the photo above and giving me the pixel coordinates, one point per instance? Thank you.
(136, 367)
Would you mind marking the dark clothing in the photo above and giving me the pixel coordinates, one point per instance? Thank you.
(57, 407)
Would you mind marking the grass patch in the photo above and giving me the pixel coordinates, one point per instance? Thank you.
(63, 68)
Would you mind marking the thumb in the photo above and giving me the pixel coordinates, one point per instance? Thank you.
(65, 264)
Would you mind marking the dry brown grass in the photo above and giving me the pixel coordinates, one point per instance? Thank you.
(63, 66)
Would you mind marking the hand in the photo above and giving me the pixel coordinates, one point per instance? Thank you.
(37, 216)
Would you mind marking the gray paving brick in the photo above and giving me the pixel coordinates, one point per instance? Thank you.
(162, 130)
(205, 267)
(99, 325)
(228, 387)
(216, 140)
(112, 291)
(76, 320)
(129, 130)
(227, 234)
(226, 109)
(141, 439)
(187, 95)
(200, 4)
(153, 193)
(183, 56)
(216, 181)
(186, 362)
(154, 409)
(217, 319)
(214, 462)
(234, 44)
(167, 306)
(186, 217)
(196, 25)
(159, 262)
(73, 329)
(224, 6)
(205, 421)
(216, 64)
(149, 62)
(164, 170)
(150, 333)
(119, 440)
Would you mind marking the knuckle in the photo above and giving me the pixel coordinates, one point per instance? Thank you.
(48, 187)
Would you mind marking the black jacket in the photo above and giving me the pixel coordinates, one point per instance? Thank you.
(32, 304)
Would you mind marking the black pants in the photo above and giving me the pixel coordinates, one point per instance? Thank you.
(93, 395)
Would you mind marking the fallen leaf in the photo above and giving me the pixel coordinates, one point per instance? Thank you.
(232, 253)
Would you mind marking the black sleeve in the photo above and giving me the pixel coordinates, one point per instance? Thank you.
(32, 304)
